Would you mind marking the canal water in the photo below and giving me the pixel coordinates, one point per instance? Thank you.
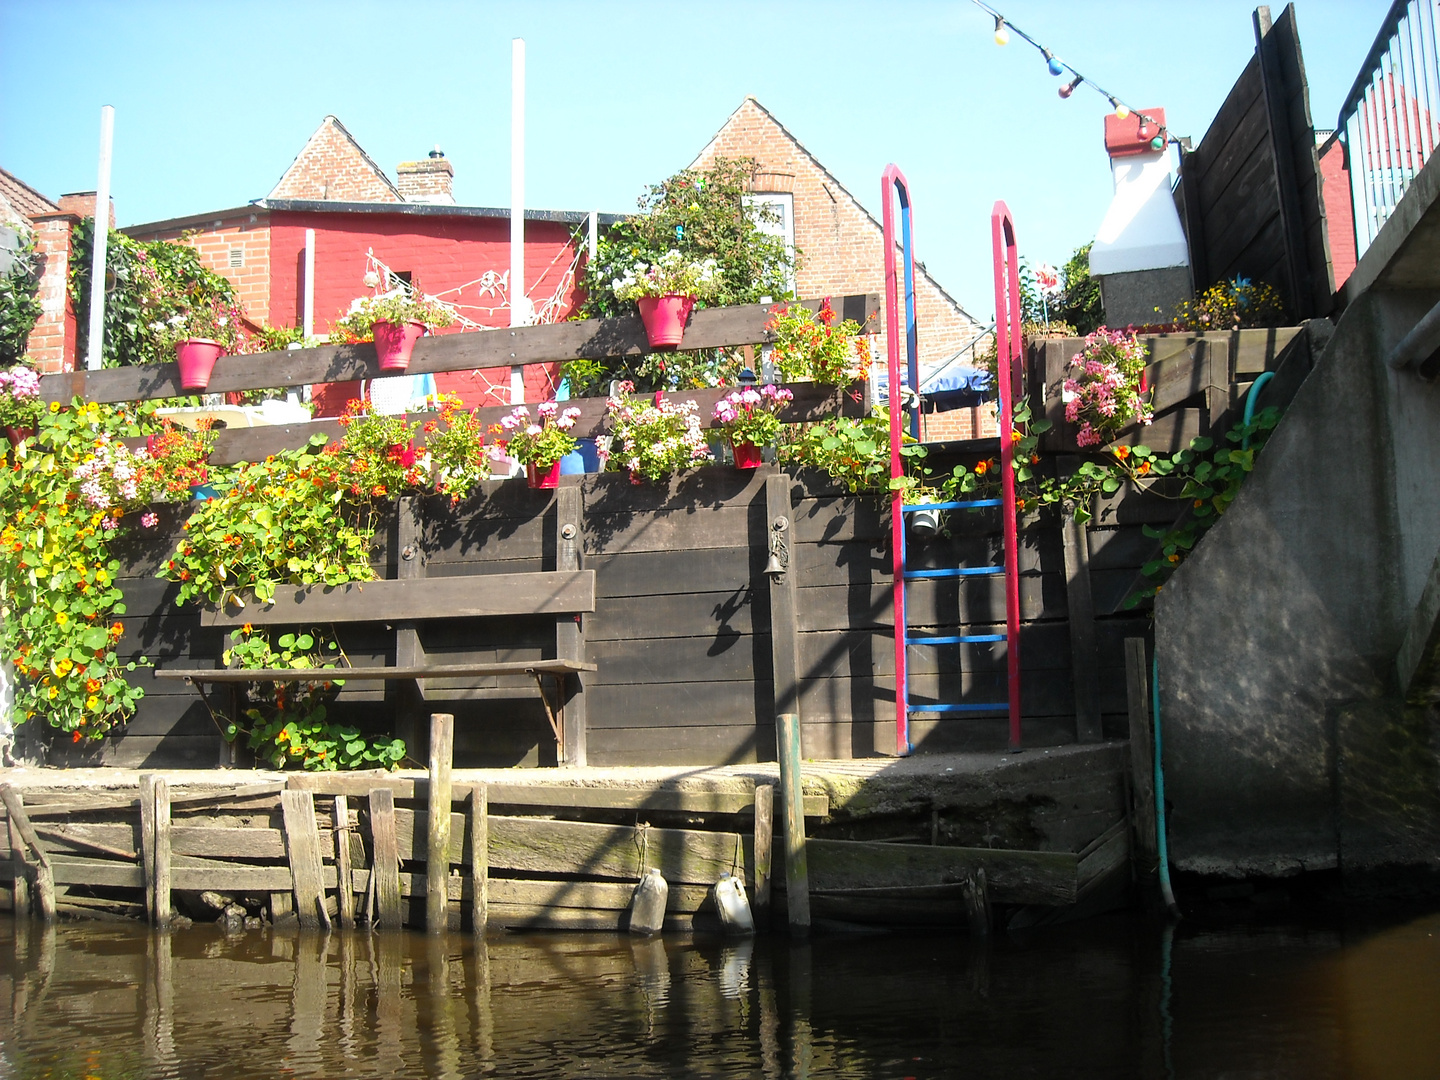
(1115, 997)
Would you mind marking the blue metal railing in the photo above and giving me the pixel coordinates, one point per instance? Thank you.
(1391, 117)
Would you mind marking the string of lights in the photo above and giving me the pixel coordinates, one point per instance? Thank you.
(1004, 28)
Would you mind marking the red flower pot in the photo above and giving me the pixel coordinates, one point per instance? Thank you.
(664, 318)
(747, 455)
(197, 357)
(17, 435)
(543, 477)
(394, 344)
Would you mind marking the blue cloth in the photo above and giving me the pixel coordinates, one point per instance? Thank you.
(953, 387)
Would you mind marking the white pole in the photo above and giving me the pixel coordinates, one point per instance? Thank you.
(518, 305)
(94, 352)
(309, 283)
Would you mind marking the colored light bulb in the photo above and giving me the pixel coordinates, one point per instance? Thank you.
(1121, 111)
(1002, 36)
(1157, 143)
(1054, 65)
(1069, 88)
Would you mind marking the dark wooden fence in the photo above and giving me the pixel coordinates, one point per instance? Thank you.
(1250, 193)
(682, 634)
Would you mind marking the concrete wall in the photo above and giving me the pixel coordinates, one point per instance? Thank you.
(1287, 745)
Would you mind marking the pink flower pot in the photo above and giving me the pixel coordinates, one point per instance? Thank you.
(394, 344)
(543, 477)
(664, 318)
(747, 455)
(196, 357)
(17, 435)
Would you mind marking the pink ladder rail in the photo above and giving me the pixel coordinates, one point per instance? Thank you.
(1011, 379)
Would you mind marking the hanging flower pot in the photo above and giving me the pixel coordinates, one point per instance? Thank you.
(664, 318)
(747, 455)
(395, 342)
(197, 357)
(543, 477)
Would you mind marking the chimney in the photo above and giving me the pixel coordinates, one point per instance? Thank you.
(1140, 256)
(82, 205)
(428, 181)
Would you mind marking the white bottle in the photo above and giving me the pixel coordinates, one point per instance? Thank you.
(733, 905)
(647, 904)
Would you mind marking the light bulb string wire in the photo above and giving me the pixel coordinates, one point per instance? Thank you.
(1081, 78)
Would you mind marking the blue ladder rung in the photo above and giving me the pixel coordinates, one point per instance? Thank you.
(965, 504)
(1004, 705)
(956, 571)
(959, 639)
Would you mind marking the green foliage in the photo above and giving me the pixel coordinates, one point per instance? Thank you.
(857, 453)
(1079, 303)
(701, 214)
(1231, 305)
(19, 302)
(284, 521)
(147, 285)
(456, 445)
(402, 306)
(59, 603)
(289, 721)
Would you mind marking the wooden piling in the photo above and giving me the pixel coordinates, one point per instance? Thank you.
(437, 848)
(30, 851)
(764, 838)
(1142, 756)
(147, 842)
(797, 877)
(479, 859)
(976, 894)
(20, 888)
(162, 852)
(302, 848)
(344, 870)
(385, 870)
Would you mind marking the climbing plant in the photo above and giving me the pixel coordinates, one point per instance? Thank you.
(19, 301)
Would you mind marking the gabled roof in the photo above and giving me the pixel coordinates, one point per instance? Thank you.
(24, 199)
(752, 102)
(333, 166)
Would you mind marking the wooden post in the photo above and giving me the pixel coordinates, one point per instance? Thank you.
(784, 622)
(20, 824)
(1081, 604)
(385, 870)
(977, 902)
(437, 848)
(569, 629)
(1142, 756)
(409, 563)
(797, 877)
(20, 890)
(162, 852)
(302, 846)
(344, 870)
(147, 842)
(764, 842)
(479, 859)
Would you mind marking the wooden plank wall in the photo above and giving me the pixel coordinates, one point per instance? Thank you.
(1250, 193)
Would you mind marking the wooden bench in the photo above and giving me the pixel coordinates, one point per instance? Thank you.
(566, 593)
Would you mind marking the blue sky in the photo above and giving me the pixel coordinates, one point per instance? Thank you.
(214, 100)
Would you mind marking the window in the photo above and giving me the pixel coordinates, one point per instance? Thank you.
(776, 218)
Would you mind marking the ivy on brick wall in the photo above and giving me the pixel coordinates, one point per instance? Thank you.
(146, 284)
(19, 301)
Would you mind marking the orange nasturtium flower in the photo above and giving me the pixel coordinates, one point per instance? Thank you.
(1143, 468)
(1122, 452)
(981, 467)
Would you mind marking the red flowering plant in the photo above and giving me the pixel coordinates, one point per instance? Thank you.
(455, 445)
(177, 459)
(377, 454)
(810, 345)
(1103, 391)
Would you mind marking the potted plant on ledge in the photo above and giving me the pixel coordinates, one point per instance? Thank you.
(395, 322)
(665, 292)
(750, 420)
(539, 444)
(19, 403)
(200, 337)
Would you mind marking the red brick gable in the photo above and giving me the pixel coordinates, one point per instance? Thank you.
(332, 166)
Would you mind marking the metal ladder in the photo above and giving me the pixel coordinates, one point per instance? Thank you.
(1007, 332)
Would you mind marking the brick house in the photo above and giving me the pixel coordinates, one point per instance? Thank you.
(363, 224)
(842, 246)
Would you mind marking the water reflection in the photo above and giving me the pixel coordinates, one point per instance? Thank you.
(1114, 998)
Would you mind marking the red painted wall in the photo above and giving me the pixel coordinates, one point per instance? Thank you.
(1339, 214)
(441, 253)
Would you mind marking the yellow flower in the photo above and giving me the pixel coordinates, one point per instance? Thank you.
(61, 618)
(53, 692)
(54, 406)
(63, 667)
(92, 703)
